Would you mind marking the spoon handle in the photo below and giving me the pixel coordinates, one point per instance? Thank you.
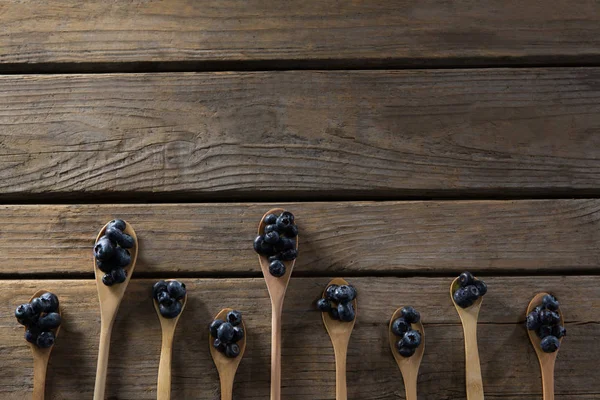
(226, 388)
(163, 387)
(472, 363)
(40, 366)
(101, 369)
(341, 351)
(410, 384)
(548, 380)
(276, 309)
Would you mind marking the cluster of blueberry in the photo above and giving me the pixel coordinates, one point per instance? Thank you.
(409, 339)
(227, 333)
(278, 241)
(169, 296)
(41, 317)
(338, 302)
(545, 321)
(469, 291)
(111, 252)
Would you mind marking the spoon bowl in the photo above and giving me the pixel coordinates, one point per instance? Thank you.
(339, 333)
(277, 288)
(227, 366)
(546, 360)
(409, 366)
(168, 325)
(468, 317)
(110, 298)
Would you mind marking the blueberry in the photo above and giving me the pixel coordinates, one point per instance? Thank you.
(160, 286)
(472, 292)
(266, 249)
(107, 265)
(272, 237)
(238, 333)
(291, 231)
(284, 221)
(548, 317)
(258, 241)
(49, 321)
(271, 219)
(165, 299)
(333, 313)
(465, 279)
(287, 244)
(24, 313)
(37, 305)
(346, 312)
(123, 239)
(171, 311)
(544, 331)
(234, 317)
(118, 224)
(214, 326)
(232, 350)
(344, 293)
(118, 275)
(31, 335)
(411, 315)
(103, 249)
(533, 321)
(277, 269)
(45, 340)
(400, 326)
(107, 279)
(405, 351)
(330, 292)
(225, 332)
(49, 302)
(550, 344)
(289, 255)
(559, 331)
(461, 298)
(219, 345)
(481, 286)
(122, 257)
(127, 242)
(323, 305)
(411, 339)
(549, 302)
(270, 228)
(176, 289)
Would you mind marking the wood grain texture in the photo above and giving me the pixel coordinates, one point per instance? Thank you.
(335, 238)
(509, 364)
(299, 135)
(378, 32)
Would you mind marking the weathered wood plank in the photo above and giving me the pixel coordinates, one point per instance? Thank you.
(335, 237)
(509, 365)
(377, 32)
(297, 135)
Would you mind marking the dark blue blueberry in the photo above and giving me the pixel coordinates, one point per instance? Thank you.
(232, 350)
(24, 314)
(219, 345)
(287, 244)
(559, 331)
(165, 299)
(104, 249)
(277, 269)
(344, 293)
(258, 241)
(37, 305)
(234, 317)
(225, 332)
(160, 286)
(481, 286)
(107, 265)
(272, 237)
(291, 231)
(117, 223)
(411, 339)
(544, 331)
(411, 315)
(472, 292)
(550, 344)
(333, 313)
(122, 257)
(266, 249)
(107, 279)
(171, 311)
(31, 335)
(117, 236)
(49, 321)
(270, 228)
(238, 333)
(289, 255)
(548, 317)
(405, 351)
(346, 312)
(323, 305)
(118, 275)
(284, 221)
(533, 321)
(49, 302)
(214, 326)
(549, 302)
(330, 292)
(271, 219)
(400, 327)
(465, 279)
(176, 289)
(461, 298)
(45, 340)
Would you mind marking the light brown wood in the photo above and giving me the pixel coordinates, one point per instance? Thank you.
(40, 359)
(547, 360)
(110, 298)
(339, 333)
(468, 318)
(167, 326)
(216, 136)
(409, 366)
(179, 34)
(277, 288)
(226, 366)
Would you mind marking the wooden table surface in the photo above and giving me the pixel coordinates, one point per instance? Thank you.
(412, 139)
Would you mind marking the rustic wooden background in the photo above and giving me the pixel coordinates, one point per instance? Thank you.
(412, 139)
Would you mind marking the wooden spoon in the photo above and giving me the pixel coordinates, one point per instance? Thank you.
(339, 333)
(547, 360)
(468, 317)
(227, 366)
(168, 325)
(277, 288)
(110, 299)
(40, 359)
(409, 366)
